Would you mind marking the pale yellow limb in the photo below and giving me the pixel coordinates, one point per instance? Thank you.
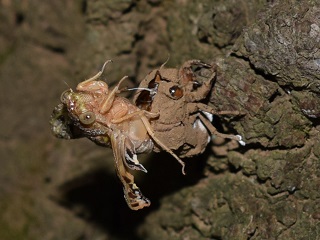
(95, 77)
(107, 103)
(141, 114)
(159, 142)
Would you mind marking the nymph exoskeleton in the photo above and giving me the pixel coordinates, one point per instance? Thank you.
(180, 98)
(110, 120)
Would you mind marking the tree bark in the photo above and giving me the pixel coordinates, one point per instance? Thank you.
(267, 60)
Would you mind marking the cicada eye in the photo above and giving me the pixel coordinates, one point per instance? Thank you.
(176, 92)
(64, 95)
(87, 118)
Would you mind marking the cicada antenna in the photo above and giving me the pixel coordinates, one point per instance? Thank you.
(67, 85)
(163, 64)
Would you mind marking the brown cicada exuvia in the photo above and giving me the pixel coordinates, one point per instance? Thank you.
(95, 112)
(179, 97)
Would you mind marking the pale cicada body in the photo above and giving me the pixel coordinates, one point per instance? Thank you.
(112, 121)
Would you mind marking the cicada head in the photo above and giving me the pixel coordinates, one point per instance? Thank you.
(82, 110)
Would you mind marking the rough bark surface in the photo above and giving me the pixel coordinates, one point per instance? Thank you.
(268, 68)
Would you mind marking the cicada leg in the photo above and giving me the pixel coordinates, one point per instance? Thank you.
(143, 116)
(108, 101)
(215, 132)
(160, 143)
(196, 107)
(95, 77)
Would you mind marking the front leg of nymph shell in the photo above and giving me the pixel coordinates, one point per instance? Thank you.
(196, 91)
(186, 73)
(200, 107)
(197, 137)
(196, 107)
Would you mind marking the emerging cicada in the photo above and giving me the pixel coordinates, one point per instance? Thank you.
(95, 112)
(180, 97)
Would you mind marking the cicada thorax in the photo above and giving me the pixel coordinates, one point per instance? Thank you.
(193, 81)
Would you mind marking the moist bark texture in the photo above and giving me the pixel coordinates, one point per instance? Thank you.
(267, 57)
